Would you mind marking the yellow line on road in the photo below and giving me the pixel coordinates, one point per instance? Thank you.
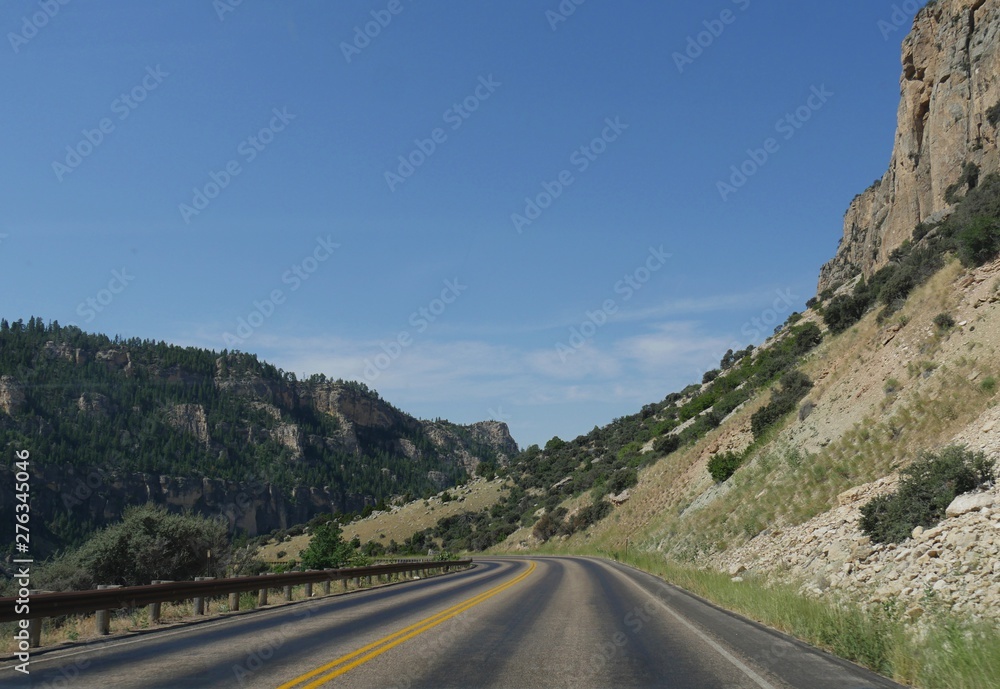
(377, 648)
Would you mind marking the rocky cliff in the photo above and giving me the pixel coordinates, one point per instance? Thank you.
(946, 135)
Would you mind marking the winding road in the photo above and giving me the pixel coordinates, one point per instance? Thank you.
(508, 622)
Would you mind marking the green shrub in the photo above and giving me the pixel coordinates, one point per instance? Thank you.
(724, 464)
(327, 549)
(944, 321)
(806, 337)
(793, 387)
(925, 490)
(709, 376)
(149, 543)
(843, 311)
(989, 385)
(979, 241)
(993, 114)
(667, 444)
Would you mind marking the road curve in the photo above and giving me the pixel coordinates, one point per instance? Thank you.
(509, 622)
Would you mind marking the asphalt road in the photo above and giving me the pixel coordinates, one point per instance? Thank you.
(538, 622)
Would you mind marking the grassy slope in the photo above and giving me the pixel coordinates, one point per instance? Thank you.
(400, 523)
(677, 518)
(856, 434)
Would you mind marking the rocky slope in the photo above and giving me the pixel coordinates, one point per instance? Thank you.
(948, 119)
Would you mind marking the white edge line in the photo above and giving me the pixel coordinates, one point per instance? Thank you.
(760, 681)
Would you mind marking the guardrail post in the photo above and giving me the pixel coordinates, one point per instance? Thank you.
(200, 607)
(35, 625)
(326, 587)
(35, 632)
(234, 598)
(154, 608)
(288, 593)
(369, 580)
(262, 594)
(102, 618)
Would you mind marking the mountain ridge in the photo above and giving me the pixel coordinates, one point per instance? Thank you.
(112, 423)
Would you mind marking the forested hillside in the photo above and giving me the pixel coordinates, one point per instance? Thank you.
(106, 411)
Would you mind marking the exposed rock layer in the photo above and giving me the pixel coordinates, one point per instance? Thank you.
(950, 81)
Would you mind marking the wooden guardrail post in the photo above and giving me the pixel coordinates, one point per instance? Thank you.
(102, 618)
(262, 594)
(234, 598)
(155, 608)
(326, 587)
(309, 589)
(288, 592)
(35, 632)
(200, 607)
(35, 626)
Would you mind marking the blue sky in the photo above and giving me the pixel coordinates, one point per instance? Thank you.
(481, 209)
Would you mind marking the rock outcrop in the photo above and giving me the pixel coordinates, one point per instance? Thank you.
(11, 395)
(948, 118)
(955, 564)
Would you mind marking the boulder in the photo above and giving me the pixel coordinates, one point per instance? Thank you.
(970, 502)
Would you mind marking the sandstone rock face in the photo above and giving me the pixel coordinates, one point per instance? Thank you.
(190, 418)
(11, 395)
(94, 403)
(951, 78)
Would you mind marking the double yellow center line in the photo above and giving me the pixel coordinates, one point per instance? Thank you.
(336, 668)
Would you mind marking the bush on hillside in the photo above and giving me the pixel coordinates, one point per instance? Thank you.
(328, 549)
(793, 386)
(944, 321)
(667, 444)
(724, 464)
(979, 241)
(149, 543)
(925, 490)
(843, 311)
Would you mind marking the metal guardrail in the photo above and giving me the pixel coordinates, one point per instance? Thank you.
(57, 604)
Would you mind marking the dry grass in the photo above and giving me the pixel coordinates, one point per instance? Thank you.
(401, 523)
(856, 434)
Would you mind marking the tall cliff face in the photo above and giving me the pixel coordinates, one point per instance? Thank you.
(949, 93)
